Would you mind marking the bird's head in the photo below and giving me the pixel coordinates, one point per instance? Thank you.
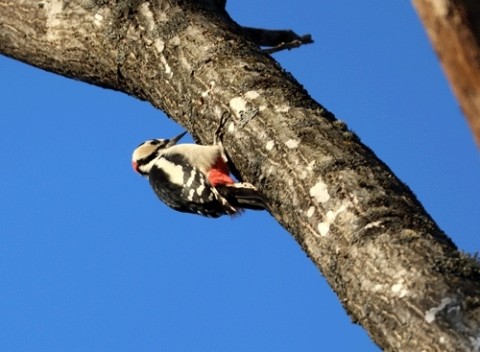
(145, 154)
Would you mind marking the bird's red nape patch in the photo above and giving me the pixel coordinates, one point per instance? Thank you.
(135, 166)
(219, 174)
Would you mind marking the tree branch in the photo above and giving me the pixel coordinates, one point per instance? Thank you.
(394, 270)
(454, 29)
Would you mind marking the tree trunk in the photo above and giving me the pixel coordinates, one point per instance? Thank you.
(454, 29)
(393, 269)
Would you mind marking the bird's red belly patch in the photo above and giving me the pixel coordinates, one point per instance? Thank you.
(219, 174)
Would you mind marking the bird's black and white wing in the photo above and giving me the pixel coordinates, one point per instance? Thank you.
(185, 188)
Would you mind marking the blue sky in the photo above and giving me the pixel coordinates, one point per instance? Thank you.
(90, 260)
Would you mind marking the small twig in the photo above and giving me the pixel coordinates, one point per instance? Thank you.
(277, 40)
(282, 46)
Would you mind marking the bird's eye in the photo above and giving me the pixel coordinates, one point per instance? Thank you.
(154, 142)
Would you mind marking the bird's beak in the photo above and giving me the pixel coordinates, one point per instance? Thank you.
(174, 140)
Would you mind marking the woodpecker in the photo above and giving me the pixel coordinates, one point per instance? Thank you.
(194, 178)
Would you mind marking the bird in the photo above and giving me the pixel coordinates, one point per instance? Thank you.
(193, 178)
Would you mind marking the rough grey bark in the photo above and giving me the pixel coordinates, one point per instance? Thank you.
(393, 269)
(454, 29)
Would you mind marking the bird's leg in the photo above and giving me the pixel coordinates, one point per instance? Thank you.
(244, 194)
(217, 140)
(218, 134)
(219, 173)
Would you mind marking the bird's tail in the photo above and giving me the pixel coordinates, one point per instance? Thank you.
(243, 195)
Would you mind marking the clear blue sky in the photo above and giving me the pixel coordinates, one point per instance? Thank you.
(90, 260)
